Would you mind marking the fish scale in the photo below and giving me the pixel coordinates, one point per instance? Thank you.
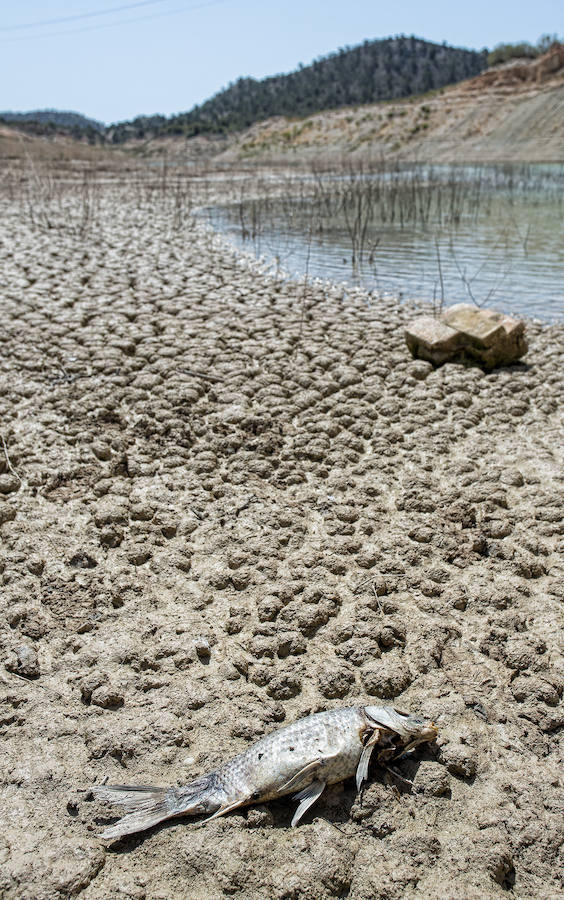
(300, 759)
(264, 769)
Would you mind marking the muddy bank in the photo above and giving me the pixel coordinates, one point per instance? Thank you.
(194, 450)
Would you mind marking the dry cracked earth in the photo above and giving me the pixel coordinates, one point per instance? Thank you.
(227, 501)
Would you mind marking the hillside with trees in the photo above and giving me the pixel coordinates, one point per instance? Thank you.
(511, 112)
(381, 70)
(502, 53)
(375, 70)
(48, 122)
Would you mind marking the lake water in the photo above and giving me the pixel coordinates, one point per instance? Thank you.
(493, 235)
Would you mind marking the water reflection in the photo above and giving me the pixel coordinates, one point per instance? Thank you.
(491, 235)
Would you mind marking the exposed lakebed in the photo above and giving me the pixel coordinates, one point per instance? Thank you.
(196, 454)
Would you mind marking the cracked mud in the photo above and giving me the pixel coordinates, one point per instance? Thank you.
(227, 501)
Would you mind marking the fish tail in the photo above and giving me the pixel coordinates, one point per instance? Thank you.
(146, 806)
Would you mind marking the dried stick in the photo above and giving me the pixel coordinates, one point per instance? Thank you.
(8, 463)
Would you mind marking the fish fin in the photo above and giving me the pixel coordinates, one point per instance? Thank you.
(147, 806)
(307, 798)
(299, 776)
(308, 769)
(225, 809)
(144, 807)
(362, 768)
(126, 794)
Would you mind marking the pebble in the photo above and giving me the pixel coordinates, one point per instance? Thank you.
(459, 760)
(23, 661)
(107, 697)
(35, 565)
(431, 779)
(7, 513)
(9, 483)
(202, 647)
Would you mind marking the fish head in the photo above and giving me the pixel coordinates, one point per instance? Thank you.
(410, 729)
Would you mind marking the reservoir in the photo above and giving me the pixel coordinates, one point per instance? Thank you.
(490, 235)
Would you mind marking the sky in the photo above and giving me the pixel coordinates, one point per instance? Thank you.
(114, 59)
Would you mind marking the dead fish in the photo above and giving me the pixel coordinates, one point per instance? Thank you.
(300, 759)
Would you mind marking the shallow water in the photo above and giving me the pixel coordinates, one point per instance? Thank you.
(500, 244)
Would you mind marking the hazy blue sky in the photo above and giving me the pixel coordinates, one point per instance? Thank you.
(114, 59)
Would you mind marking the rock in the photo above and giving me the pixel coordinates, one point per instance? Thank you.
(101, 450)
(23, 662)
(35, 565)
(9, 484)
(431, 779)
(107, 697)
(465, 333)
(430, 339)
(512, 477)
(459, 760)
(202, 647)
(7, 513)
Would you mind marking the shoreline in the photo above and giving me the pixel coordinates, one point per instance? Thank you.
(312, 231)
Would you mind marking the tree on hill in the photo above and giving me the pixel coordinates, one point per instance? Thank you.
(524, 50)
(51, 122)
(53, 117)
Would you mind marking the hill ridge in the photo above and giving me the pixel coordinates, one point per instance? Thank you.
(55, 117)
(383, 69)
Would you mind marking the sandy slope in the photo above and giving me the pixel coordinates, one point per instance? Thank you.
(515, 113)
(512, 113)
(340, 523)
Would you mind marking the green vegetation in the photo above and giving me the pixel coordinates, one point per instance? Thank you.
(504, 52)
(49, 122)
